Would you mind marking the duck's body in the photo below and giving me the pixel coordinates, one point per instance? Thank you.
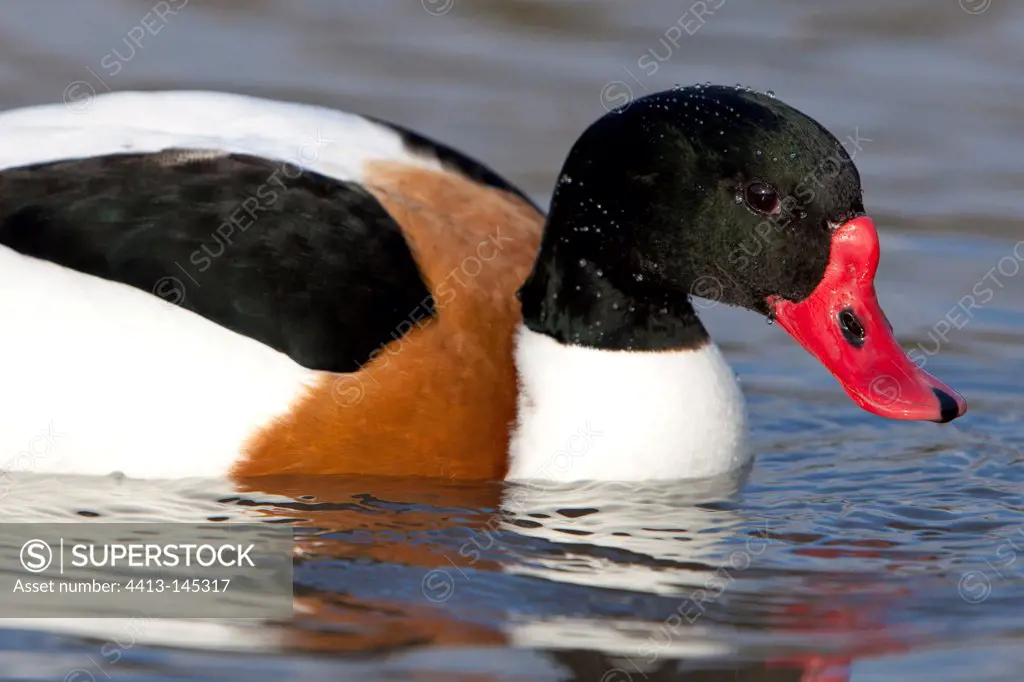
(103, 349)
(203, 284)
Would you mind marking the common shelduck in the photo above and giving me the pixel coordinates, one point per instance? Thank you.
(207, 284)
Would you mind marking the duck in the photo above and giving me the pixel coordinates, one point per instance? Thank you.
(207, 284)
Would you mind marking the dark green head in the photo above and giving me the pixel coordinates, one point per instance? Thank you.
(720, 192)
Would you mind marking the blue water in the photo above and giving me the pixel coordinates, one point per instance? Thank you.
(855, 548)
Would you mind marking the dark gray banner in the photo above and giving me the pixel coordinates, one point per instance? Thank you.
(141, 570)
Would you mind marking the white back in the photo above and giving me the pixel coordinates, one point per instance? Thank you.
(589, 414)
(335, 143)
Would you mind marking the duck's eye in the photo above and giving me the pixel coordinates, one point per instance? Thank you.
(761, 197)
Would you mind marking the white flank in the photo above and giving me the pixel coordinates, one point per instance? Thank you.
(335, 143)
(588, 414)
(97, 377)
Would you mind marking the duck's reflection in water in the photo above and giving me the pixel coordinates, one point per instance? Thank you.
(664, 558)
(614, 582)
(635, 581)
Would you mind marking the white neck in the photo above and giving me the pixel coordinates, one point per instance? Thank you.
(590, 414)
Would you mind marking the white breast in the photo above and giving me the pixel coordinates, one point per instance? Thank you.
(589, 414)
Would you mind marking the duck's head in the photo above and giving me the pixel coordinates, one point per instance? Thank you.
(727, 194)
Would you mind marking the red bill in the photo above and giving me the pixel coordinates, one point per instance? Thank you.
(843, 326)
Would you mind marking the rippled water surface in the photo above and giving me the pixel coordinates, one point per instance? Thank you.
(856, 548)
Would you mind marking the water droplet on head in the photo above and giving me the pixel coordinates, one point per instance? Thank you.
(583, 262)
(638, 277)
(792, 155)
(770, 93)
(600, 272)
(758, 152)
